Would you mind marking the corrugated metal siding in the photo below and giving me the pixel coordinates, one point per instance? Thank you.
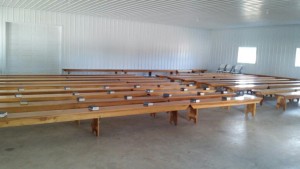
(95, 42)
(276, 49)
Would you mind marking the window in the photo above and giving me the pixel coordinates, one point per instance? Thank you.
(247, 55)
(297, 61)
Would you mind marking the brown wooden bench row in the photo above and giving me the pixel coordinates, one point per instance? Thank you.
(68, 89)
(84, 82)
(63, 76)
(214, 84)
(79, 79)
(125, 71)
(86, 85)
(95, 95)
(211, 76)
(264, 92)
(73, 104)
(263, 86)
(42, 117)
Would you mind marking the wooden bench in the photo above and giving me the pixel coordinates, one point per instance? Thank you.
(125, 71)
(60, 91)
(93, 95)
(86, 82)
(264, 92)
(283, 97)
(237, 88)
(249, 101)
(3, 81)
(116, 71)
(68, 89)
(42, 117)
(71, 79)
(87, 85)
(262, 86)
(64, 77)
(221, 83)
(273, 86)
(68, 96)
(73, 104)
(55, 75)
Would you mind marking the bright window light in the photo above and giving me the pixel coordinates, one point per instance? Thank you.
(247, 55)
(297, 61)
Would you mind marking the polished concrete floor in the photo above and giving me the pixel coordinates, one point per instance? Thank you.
(221, 140)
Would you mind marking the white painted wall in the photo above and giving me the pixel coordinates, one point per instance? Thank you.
(94, 42)
(276, 49)
(27, 42)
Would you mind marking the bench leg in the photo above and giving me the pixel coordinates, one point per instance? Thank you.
(198, 85)
(96, 126)
(173, 117)
(262, 100)
(78, 122)
(193, 114)
(251, 108)
(281, 102)
(153, 115)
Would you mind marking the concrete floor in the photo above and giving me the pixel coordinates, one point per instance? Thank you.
(221, 140)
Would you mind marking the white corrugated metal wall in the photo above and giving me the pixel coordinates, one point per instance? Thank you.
(276, 49)
(95, 42)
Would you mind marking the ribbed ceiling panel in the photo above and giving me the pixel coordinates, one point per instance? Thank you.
(211, 14)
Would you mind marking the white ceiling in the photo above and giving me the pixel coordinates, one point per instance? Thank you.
(210, 14)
